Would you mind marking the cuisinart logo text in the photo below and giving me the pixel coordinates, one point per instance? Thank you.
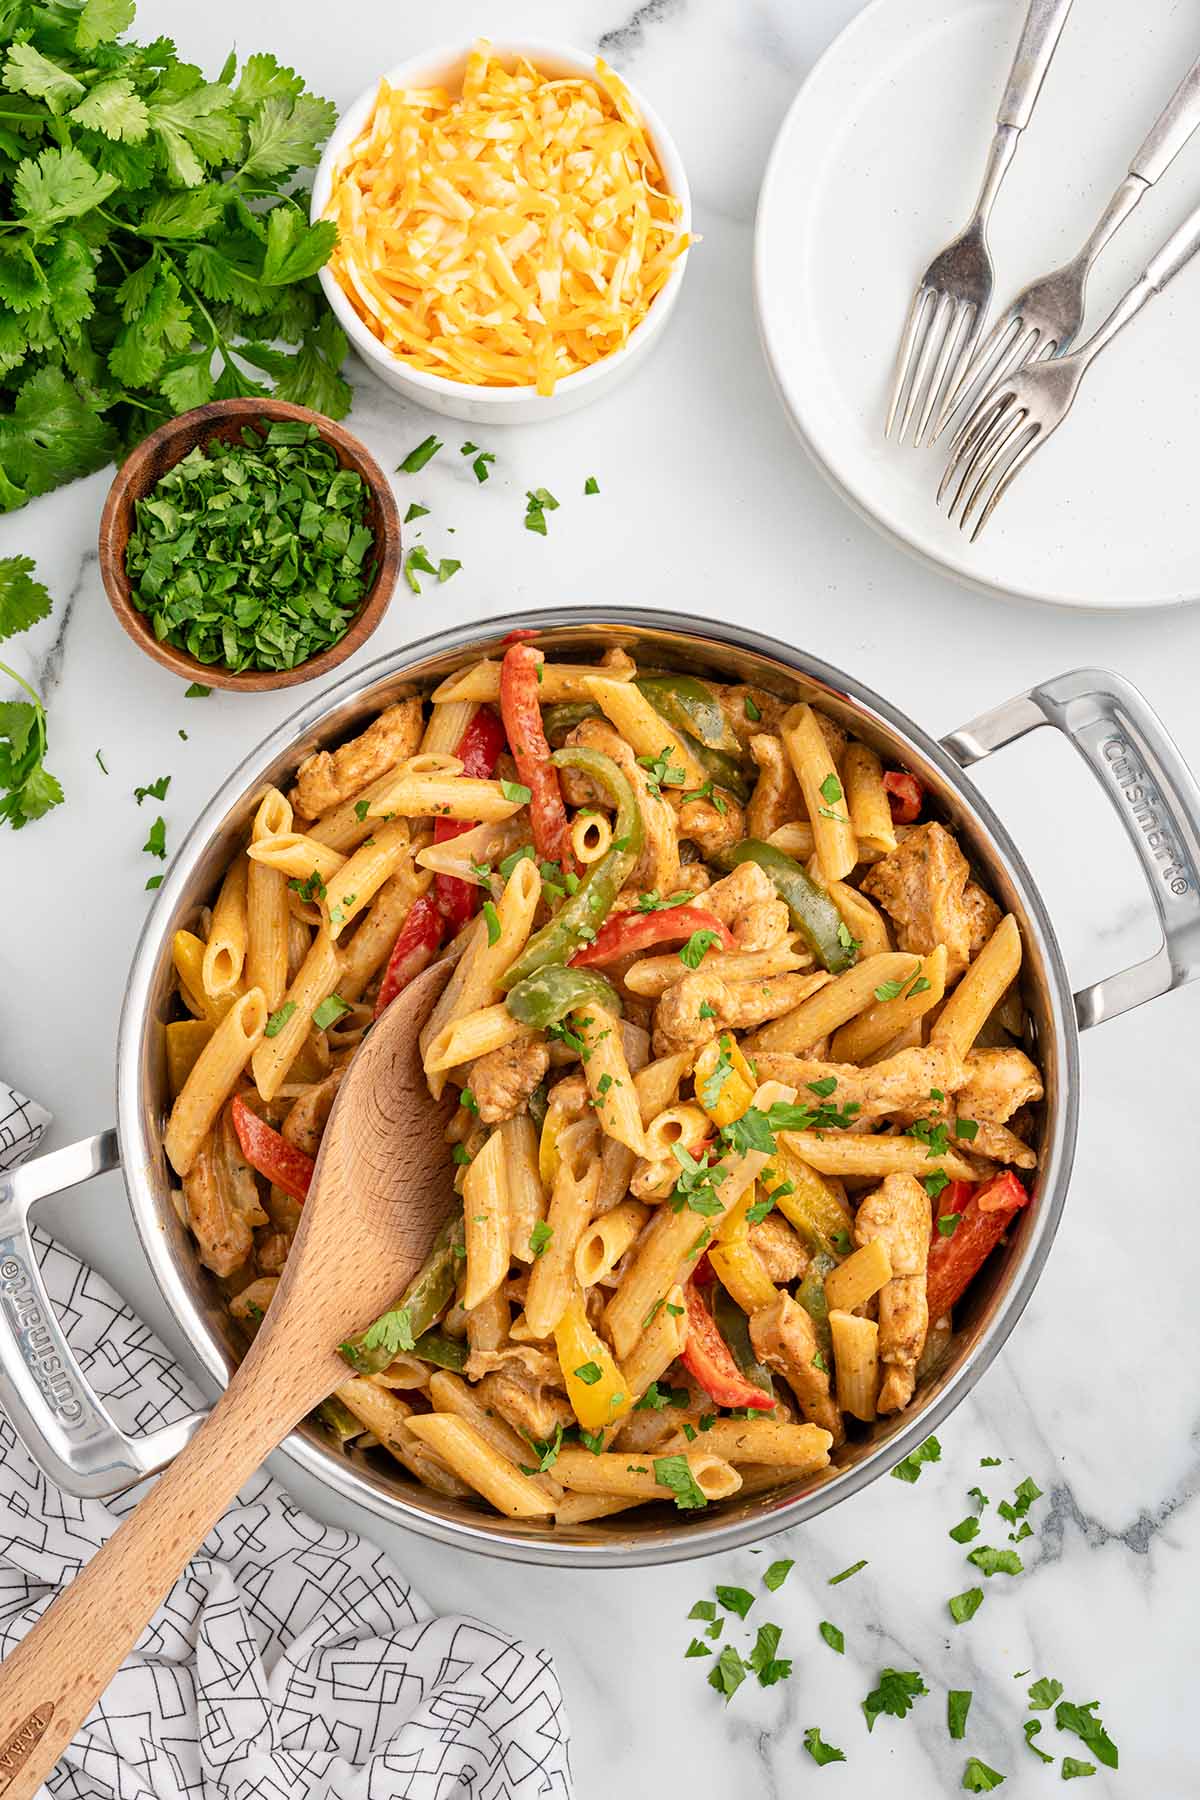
(1144, 804)
(36, 1341)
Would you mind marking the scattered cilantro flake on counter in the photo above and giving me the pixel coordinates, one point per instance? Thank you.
(729, 1671)
(156, 843)
(482, 459)
(1044, 1693)
(447, 567)
(978, 1778)
(989, 1462)
(417, 458)
(674, 1473)
(29, 789)
(278, 1020)
(539, 1237)
(964, 1606)
(392, 1332)
(591, 485)
(704, 1609)
(778, 1573)
(819, 1750)
(996, 1562)
(196, 690)
(958, 1705)
(833, 1636)
(156, 790)
(155, 881)
(965, 1530)
(415, 511)
(894, 1696)
(101, 761)
(330, 1009)
(909, 1469)
(1072, 1768)
(697, 1648)
(735, 1600)
(538, 502)
(1071, 1716)
(763, 1661)
(1031, 1729)
(1026, 1493)
(847, 1573)
(23, 601)
(417, 562)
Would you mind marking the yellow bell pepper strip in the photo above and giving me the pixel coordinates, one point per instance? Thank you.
(186, 1038)
(580, 917)
(725, 1083)
(809, 1205)
(813, 913)
(598, 1392)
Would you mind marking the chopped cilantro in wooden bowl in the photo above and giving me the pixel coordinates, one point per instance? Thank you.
(250, 544)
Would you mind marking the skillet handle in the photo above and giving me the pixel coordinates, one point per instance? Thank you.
(61, 1422)
(1127, 747)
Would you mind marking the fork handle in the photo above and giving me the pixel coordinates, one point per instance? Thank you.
(1039, 40)
(1171, 130)
(1163, 267)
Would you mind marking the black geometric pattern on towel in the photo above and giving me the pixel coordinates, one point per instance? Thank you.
(291, 1661)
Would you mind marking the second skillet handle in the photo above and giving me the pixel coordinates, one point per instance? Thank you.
(1039, 40)
(1171, 130)
(1127, 748)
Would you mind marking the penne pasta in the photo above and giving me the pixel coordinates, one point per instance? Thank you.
(862, 1274)
(631, 1474)
(653, 975)
(552, 1276)
(605, 1241)
(297, 856)
(610, 1083)
(643, 729)
(877, 1025)
(489, 1325)
(867, 801)
(443, 794)
(524, 1194)
(485, 1224)
(796, 838)
(591, 835)
(451, 1394)
(475, 1034)
(800, 1449)
(658, 1343)
(847, 1153)
(213, 1078)
(445, 727)
(980, 989)
(315, 980)
(474, 1460)
(225, 951)
(387, 1417)
(831, 1005)
(833, 834)
(560, 681)
(369, 947)
(476, 980)
(356, 883)
(856, 1361)
(267, 914)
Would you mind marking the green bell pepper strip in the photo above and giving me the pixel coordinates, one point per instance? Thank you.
(425, 1299)
(735, 1329)
(811, 1296)
(580, 917)
(564, 716)
(550, 993)
(445, 1351)
(690, 706)
(813, 913)
(670, 696)
(339, 1420)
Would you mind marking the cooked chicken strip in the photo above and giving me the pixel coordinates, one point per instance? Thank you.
(900, 1084)
(785, 1338)
(776, 799)
(710, 827)
(778, 1248)
(998, 1083)
(309, 1116)
(898, 1214)
(924, 885)
(329, 777)
(735, 1005)
(503, 1080)
(524, 1385)
(747, 902)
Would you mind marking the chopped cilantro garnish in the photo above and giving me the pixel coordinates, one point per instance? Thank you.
(965, 1530)
(910, 1468)
(697, 1648)
(894, 1696)
(847, 1573)
(392, 1333)
(491, 919)
(538, 502)
(155, 790)
(778, 1573)
(156, 843)
(995, 1562)
(539, 1237)
(833, 1636)
(278, 1020)
(978, 1778)
(729, 1671)
(516, 792)
(1072, 1768)
(693, 952)
(415, 511)
(589, 1373)
(958, 1705)
(330, 1009)
(196, 691)
(763, 1661)
(735, 1599)
(591, 485)
(1044, 1693)
(818, 1749)
(1082, 1720)
(674, 1473)
(964, 1606)
(417, 458)
(948, 1223)
(1031, 1729)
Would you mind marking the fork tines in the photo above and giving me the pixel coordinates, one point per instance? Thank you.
(935, 350)
(989, 452)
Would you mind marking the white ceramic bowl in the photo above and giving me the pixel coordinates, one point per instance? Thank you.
(495, 405)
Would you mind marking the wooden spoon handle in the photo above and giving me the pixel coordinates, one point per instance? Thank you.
(51, 1681)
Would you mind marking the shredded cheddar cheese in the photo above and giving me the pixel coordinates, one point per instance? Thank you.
(506, 236)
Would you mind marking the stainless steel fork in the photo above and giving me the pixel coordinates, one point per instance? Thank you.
(1045, 317)
(1017, 415)
(954, 294)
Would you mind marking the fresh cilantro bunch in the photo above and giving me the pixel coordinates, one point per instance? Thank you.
(29, 789)
(155, 252)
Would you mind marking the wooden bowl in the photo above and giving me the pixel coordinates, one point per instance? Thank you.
(151, 459)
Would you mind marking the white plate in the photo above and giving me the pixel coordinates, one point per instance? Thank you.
(877, 166)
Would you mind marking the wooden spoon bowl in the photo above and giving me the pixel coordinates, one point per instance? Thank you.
(149, 461)
(381, 1190)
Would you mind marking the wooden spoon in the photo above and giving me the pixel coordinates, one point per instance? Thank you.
(381, 1190)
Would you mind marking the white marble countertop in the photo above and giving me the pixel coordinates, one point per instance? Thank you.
(707, 504)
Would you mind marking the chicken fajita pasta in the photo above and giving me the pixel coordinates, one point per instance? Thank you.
(735, 1038)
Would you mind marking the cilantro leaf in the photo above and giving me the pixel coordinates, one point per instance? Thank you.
(694, 951)
(727, 1673)
(1044, 1693)
(910, 1468)
(1031, 1729)
(834, 1637)
(897, 1690)
(391, 1333)
(540, 1236)
(978, 1778)
(995, 1562)
(675, 1474)
(958, 1705)
(735, 1599)
(819, 1750)
(1082, 1720)
(763, 1661)
(965, 1530)
(847, 1573)
(964, 1606)
(778, 1573)
(697, 1648)
(23, 601)
(1072, 1768)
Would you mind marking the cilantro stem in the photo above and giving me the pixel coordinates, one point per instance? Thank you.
(21, 682)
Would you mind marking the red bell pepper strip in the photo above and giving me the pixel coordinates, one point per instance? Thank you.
(905, 795)
(415, 948)
(271, 1154)
(479, 751)
(709, 1360)
(522, 717)
(984, 1214)
(704, 1274)
(631, 931)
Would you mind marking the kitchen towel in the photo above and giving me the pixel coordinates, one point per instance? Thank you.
(291, 1660)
